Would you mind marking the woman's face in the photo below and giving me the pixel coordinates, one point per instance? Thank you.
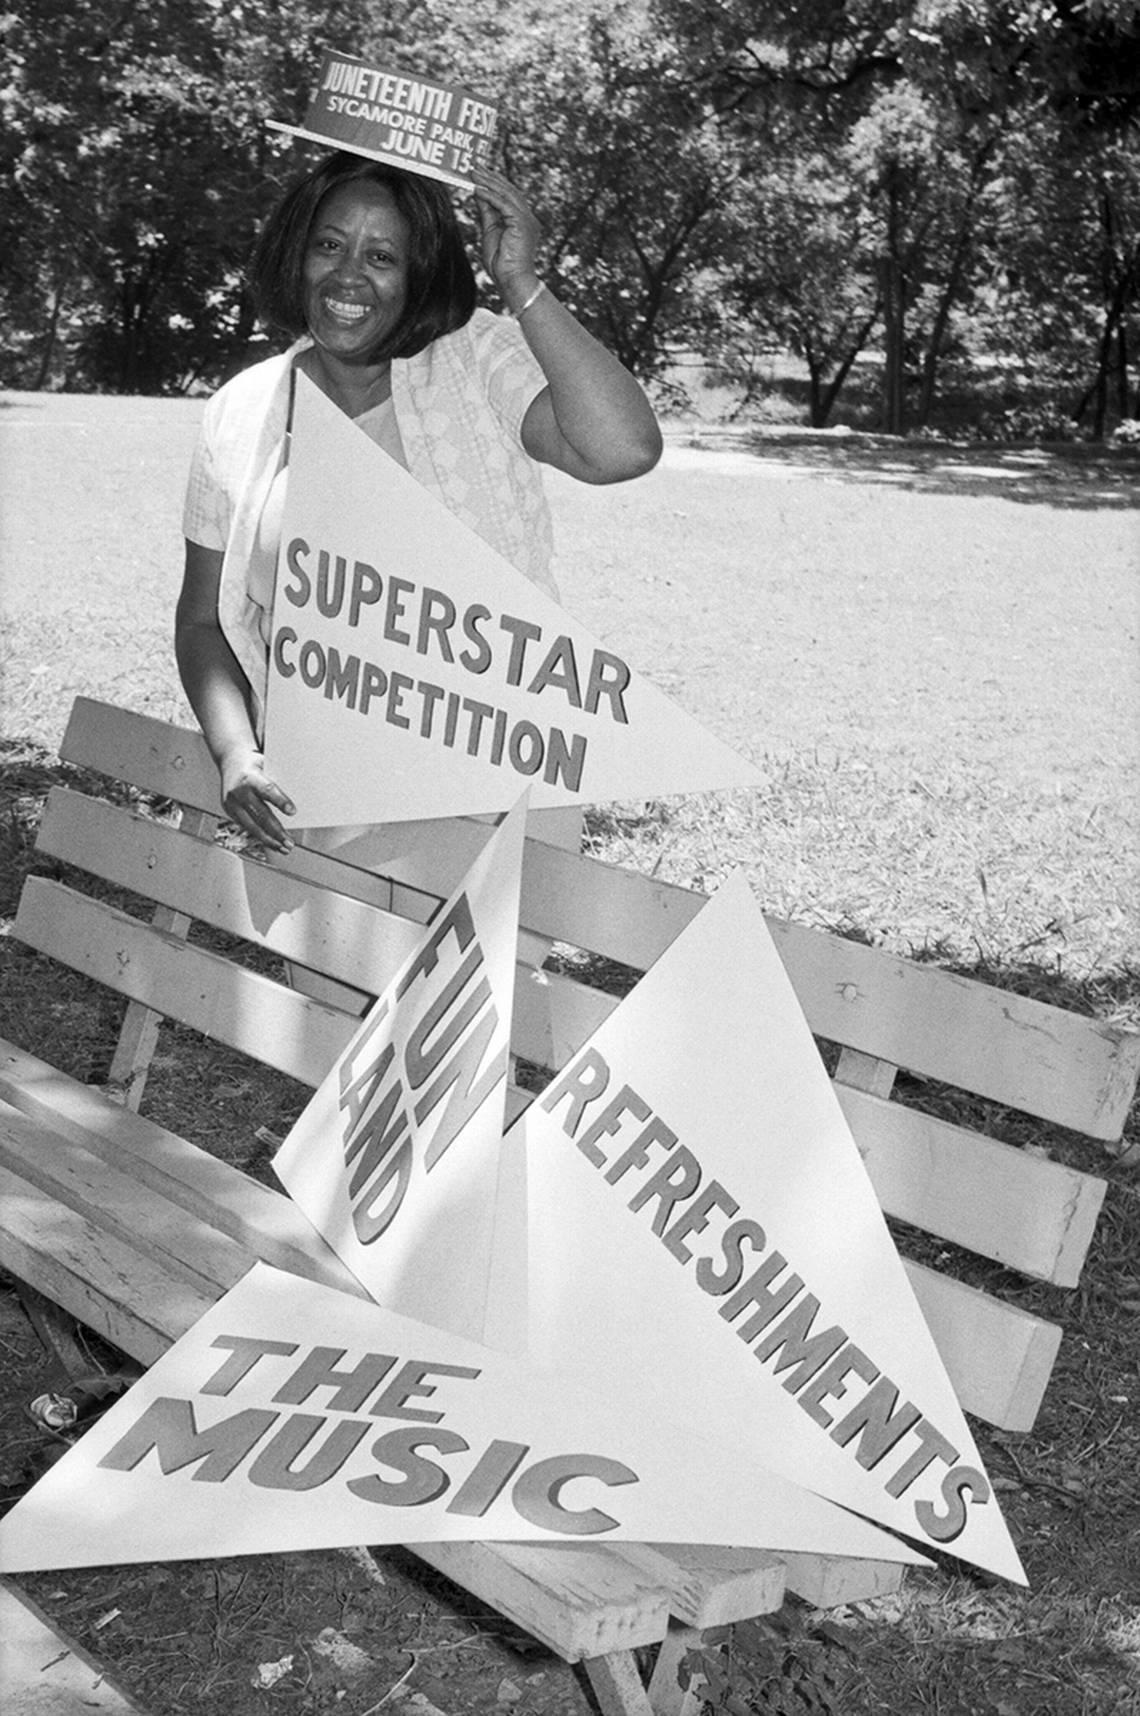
(355, 272)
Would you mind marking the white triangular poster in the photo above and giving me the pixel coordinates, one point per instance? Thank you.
(704, 1239)
(396, 1158)
(414, 673)
(294, 1417)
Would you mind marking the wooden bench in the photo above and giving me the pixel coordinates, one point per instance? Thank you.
(135, 1231)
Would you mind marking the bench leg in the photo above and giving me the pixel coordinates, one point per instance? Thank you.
(138, 1035)
(616, 1684)
(667, 1697)
(620, 1691)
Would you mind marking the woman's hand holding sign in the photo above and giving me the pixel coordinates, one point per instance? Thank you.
(217, 693)
(249, 797)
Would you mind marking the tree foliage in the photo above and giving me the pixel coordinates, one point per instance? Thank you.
(913, 181)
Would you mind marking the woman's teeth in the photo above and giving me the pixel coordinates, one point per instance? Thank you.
(347, 312)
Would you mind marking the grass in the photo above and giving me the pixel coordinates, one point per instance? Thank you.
(931, 652)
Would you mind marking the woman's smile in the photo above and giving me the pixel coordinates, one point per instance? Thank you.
(347, 312)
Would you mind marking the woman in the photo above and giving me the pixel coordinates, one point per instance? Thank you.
(365, 266)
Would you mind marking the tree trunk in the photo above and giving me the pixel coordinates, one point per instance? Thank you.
(894, 325)
(942, 316)
(827, 395)
(47, 356)
(1098, 388)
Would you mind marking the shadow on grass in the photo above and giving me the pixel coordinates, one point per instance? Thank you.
(1060, 474)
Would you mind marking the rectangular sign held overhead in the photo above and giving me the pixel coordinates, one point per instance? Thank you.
(436, 129)
(414, 673)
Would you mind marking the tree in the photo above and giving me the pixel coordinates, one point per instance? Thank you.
(136, 166)
(927, 101)
(605, 131)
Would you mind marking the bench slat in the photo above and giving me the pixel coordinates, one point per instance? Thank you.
(1076, 1072)
(827, 1581)
(340, 936)
(736, 1580)
(265, 1223)
(712, 1587)
(580, 1600)
(103, 1282)
(152, 755)
(1022, 1211)
(998, 1357)
(234, 1006)
(120, 1205)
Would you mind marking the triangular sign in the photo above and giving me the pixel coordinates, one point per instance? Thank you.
(396, 1158)
(704, 1240)
(414, 673)
(294, 1417)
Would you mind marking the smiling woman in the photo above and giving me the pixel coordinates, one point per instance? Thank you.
(364, 267)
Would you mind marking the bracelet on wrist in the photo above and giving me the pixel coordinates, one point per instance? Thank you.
(532, 299)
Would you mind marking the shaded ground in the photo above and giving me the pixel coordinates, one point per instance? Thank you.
(1068, 474)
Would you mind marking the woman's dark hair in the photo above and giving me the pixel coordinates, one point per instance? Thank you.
(441, 285)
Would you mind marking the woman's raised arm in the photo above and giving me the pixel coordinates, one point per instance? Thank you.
(593, 419)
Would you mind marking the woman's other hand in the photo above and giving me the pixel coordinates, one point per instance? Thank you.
(250, 796)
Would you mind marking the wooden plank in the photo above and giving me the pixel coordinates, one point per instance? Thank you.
(151, 755)
(67, 1357)
(998, 1357)
(173, 762)
(577, 1598)
(134, 1302)
(120, 1205)
(1022, 1211)
(1077, 1072)
(711, 1586)
(1074, 1071)
(323, 930)
(829, 1581)
(268, 1224)
(240, 1008)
